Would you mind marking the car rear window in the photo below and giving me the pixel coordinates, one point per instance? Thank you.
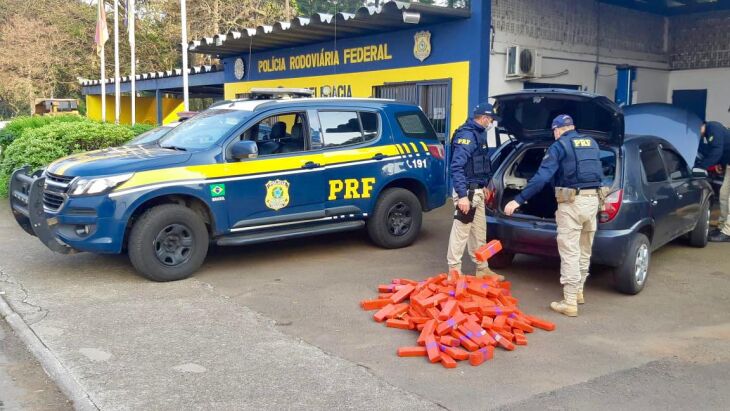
(415, 124)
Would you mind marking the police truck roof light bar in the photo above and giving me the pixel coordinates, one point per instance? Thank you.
(278, 93)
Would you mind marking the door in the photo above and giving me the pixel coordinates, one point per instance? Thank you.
(354, 151)
(689, 194)
(660, 194)
(284, 183)
(694, 101)
(432, 97)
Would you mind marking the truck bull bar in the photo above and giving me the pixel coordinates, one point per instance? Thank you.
(26, 202)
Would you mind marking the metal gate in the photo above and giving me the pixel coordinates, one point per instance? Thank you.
(432, 97)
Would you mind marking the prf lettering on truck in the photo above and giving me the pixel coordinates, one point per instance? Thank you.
(351, 188)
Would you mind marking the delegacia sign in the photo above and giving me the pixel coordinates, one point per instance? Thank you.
(326, 58)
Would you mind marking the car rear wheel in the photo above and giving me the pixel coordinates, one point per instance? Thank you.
(396, 220)
(630, 277)
(168, 243)
(698, 237)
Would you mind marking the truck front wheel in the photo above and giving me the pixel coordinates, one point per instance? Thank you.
(168, 243)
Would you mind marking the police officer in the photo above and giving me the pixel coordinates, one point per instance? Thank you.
(714, 150)
(470, 172)
(573, 165)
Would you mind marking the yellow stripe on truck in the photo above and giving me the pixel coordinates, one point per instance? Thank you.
(257, 166)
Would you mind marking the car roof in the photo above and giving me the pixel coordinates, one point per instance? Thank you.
(256, 105)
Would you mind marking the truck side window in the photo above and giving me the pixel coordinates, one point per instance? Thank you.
(676, 165)
(342, 128)
(278, 134)
(653, 166)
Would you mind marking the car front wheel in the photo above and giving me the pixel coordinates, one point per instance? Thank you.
(396, 220)
(630, 277)
(168, 243)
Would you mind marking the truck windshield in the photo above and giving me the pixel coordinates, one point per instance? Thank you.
(204, 130)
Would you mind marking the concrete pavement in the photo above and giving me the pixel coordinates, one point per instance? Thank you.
(23, 384)
(278, 325)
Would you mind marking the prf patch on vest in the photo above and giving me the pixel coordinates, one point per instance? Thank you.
(581, 142)
(464, 141)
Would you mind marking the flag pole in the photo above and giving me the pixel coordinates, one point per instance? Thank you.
(132, 45)
(103, 85)
(183, 14)
(116, 62)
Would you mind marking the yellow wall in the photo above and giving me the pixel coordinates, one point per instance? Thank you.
(362, 84)
(145, 107)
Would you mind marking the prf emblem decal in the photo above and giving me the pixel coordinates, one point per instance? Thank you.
(277, 194)
(422, 45)
(218, 192)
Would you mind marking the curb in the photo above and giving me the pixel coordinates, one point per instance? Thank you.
(53, 367)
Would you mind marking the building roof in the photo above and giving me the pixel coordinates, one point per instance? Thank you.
(392, 15)
(672, 7)
(157, 75)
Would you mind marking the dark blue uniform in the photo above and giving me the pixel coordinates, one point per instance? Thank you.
(576, 156)
(469, 158)
(714, 147)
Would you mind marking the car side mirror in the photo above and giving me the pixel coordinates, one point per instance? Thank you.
(243, 150)
(699, 172)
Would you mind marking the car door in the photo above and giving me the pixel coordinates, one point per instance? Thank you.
(285, 183)
(659, 193)
(689, 193)
(356, 152)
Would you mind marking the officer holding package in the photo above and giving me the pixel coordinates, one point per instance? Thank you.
(573, 165)
(470, 173)
(714, 150)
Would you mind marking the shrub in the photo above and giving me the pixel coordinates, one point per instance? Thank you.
(17, 126)
(38, 147)
(140, 128)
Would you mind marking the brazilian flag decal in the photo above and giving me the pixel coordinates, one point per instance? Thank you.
(217, 190)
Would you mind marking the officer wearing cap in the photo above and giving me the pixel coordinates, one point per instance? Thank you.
(714, 150)
(470, 173)
(573, 165)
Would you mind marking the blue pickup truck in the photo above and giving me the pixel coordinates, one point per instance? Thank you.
(319, 166)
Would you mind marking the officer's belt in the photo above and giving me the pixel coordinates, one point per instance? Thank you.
(588, 192)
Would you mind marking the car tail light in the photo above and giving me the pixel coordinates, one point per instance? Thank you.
(611, 206)
(490, 197)
(437, 151)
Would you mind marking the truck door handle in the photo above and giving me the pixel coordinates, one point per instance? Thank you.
(379, 156)
(654, 202)
(311, 165)
(681, 196)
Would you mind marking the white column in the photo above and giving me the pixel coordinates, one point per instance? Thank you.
(183, 14)
(117, 98)
(133, 70)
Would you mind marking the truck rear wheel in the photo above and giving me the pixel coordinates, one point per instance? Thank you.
(396, 220)
(168, 243)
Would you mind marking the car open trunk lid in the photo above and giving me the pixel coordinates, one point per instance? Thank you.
(676, 125)
(528, 114)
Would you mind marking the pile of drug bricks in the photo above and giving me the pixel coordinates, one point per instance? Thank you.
(459, 317)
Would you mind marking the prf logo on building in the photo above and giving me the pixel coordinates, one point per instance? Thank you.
(422, 45)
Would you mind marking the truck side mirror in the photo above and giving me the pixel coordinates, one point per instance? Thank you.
(242, 150)
(699, 172)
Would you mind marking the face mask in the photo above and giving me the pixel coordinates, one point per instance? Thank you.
(490, 126)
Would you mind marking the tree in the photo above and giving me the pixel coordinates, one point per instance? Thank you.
(309, 7)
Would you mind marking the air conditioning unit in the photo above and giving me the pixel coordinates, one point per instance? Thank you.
(522, 63)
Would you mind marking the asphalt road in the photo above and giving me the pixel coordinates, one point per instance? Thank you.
(278, 325)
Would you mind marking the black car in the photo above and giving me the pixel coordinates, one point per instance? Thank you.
(655, 196)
